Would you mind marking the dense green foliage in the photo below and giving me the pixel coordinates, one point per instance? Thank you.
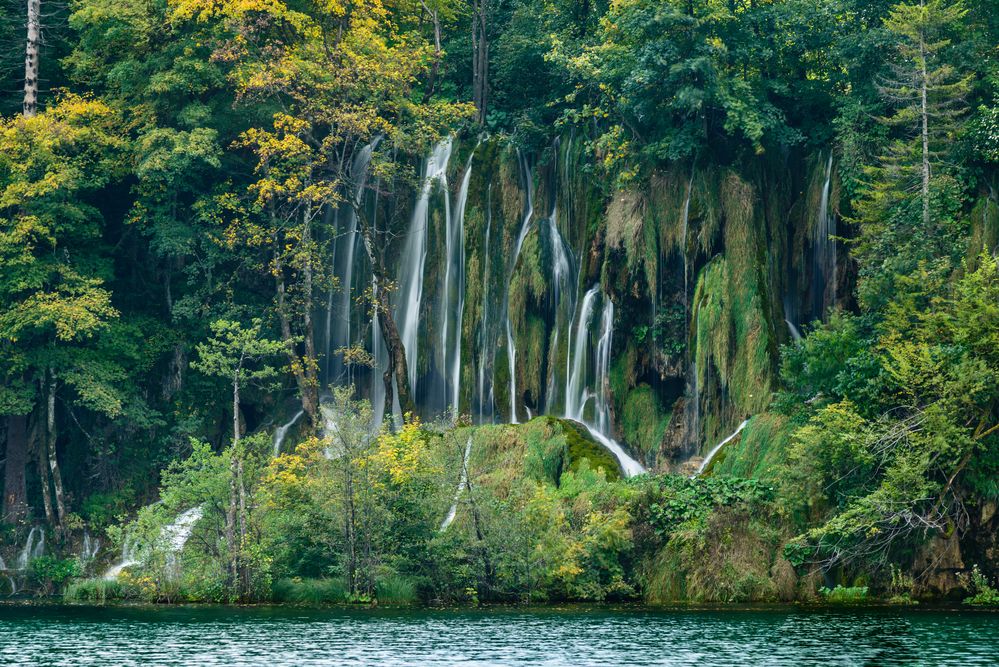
(162, 264)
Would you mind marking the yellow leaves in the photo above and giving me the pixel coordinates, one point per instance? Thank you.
(404, 456)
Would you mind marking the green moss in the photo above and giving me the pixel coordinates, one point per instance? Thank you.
(643, 422)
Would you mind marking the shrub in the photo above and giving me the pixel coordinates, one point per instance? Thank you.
(309, 591)
(982, 593)
(98, 591)
(844, 594)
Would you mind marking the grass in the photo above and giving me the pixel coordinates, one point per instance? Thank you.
(99, 591)
(311, 592)
(844, 594)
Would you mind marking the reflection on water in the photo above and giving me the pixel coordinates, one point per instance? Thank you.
(49, 635)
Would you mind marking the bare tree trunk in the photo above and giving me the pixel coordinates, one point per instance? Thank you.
(349, 524)
(50, 422)
(480, 58)
(15, 494)
(230, 515)
(397, 352)
(43, 470)
(31, 58)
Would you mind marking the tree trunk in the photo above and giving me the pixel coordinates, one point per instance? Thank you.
(349, 524)
(43, 470)
(15, 494)
(396, 350)
(50, 423)
(30, 105)
(480, 59)
(230, 515)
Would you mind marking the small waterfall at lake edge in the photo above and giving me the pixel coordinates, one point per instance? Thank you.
(462, 483)
(171, 539)
(34, 547)
(414, 256)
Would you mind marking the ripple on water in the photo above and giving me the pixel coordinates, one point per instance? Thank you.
(277, 637)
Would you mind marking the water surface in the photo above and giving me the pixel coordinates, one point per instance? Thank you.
(70, 635)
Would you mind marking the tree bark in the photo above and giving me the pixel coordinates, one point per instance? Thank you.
(43, 470)
(397, 352)
(15, 494)
(50, 423)
(480, 58)
(30, 104)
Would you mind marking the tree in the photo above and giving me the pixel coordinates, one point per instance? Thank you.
(341, 79)
(238, 355)
(927, 93)
(53, 303)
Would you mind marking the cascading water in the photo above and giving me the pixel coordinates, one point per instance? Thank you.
(34, 547)
(454, 295)
(282, 431)
(485, 348)
(462, 483)
(824, 250)
(414, 256)
(170, 542)
(578, 393)
(345, 248)
(525, 227)
(717, 448)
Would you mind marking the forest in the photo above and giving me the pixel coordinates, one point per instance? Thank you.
(451, 302)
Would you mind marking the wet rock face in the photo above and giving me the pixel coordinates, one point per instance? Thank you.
(939, 568)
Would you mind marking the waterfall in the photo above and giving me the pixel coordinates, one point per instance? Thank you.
(577, 393)
(793, 330)
(90, 548)
(414, 256)
(129, 556)
(345, 247)
(684, 223)
(282, 431)
(561, 275)
(454, 295)
(602, 383)
(174, 536)
(717, 448)
(171, 541)
(824, 250)
(525, 227)
(34, 547)
(462, 483)
(485, 342)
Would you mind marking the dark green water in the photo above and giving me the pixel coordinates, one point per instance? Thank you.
(54, 635)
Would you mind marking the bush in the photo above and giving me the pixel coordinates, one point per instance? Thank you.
(309, 591)
(52, 572)
(844, 594)
(98, 591)
(982, 593)
(395, 589)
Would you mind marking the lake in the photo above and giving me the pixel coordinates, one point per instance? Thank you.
(274, 636)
